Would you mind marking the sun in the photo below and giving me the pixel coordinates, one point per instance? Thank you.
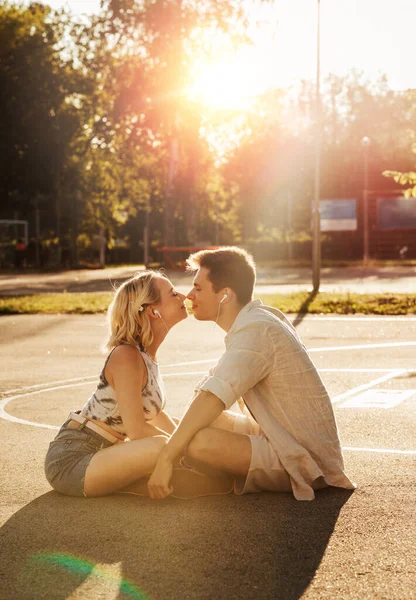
(221, 86)
(231, 83)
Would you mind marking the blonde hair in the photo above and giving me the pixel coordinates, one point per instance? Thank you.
(127, 318)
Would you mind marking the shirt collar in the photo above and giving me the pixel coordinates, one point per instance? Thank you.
(242, 314)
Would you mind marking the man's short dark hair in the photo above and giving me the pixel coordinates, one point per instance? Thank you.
(228, 267)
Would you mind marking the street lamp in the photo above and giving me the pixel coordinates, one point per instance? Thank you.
(316, 217)
(365, 143)
(146, 235)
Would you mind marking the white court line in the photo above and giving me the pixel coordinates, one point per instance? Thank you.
(379, 450)
(310, 350)
(389, 375)
(43, 387)
(213, 360)
(363, 346)
(356, 370)
(39, 385)
(349, 318)
(190, 362)
(367, 386)
(8, 417)
(164, 375)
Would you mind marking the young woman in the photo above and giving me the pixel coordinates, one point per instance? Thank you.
(113, 442)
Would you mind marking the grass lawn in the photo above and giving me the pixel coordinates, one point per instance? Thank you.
(300, 302)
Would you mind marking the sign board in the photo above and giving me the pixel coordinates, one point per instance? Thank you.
(396, 213)
(338, 215)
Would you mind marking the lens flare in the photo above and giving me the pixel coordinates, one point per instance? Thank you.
(83, 567)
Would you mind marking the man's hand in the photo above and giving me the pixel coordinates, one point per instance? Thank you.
(204, 409)
(159, 485)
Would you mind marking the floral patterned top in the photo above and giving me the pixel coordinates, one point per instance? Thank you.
(103, 406)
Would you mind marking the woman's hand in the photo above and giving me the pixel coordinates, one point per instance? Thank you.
(159, 485)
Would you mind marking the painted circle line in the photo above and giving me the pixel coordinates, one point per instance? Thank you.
(86, 381)
(394, 373)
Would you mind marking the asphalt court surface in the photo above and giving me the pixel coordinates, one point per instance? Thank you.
(342, 545)
(270, 280)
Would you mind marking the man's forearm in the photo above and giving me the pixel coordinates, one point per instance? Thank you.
(203, 411)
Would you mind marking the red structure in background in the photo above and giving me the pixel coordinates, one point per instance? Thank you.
(389, 237)
(392, 232)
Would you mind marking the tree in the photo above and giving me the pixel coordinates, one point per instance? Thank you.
(36, 123)
(407, 178)
(273, 164)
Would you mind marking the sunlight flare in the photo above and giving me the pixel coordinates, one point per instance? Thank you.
(230, 83)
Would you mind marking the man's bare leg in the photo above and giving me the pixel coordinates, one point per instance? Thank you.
(221, 449)
(225, 421)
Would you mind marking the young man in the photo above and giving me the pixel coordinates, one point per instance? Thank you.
(287, 440)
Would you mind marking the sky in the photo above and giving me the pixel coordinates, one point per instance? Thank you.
(375, 36)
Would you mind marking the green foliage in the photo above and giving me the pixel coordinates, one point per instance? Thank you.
(96, 128)
(274, 165)
(407, 178)
(49, 304)
(323, 303)
(36, 122)
(404, 179)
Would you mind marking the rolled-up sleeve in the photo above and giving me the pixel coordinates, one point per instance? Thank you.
(246, 361)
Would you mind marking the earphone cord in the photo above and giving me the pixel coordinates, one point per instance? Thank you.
(176, 346)
(218, 316)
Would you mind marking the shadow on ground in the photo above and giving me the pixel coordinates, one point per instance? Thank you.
(103, 280)
(33, 328)
(255, 546)
(304, 308)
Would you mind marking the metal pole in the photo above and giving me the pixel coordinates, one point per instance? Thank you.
(316, 218)
(365, 142)
(37, 228)
(15, 218)
(289, 226)
(102, 246)
(146, 237)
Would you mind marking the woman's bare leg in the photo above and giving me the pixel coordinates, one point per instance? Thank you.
(188, 484)
(125, 467)
(120, 465)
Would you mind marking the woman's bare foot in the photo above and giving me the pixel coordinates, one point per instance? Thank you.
(187, 483)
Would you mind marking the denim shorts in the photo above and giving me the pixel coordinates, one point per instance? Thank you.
(68, 457)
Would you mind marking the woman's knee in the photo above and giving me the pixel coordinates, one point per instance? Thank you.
(162, 439)
(150, 446)
(159, 442)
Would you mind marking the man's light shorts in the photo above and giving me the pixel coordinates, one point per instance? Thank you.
(266, 472)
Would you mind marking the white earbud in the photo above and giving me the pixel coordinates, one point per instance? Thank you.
(156, 312)
(223, 298)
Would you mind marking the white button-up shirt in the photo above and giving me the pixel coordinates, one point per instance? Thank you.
(266, 364)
